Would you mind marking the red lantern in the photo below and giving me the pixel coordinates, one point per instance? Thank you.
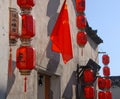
(101, 83)
(26, 3)
(81, 21)
(88, 76)
(13, 26)
(28, 26)
(107, 83)
(105, 59)
(80, 5)
(108, 95)
(101, 95)
(81, 38)
(106, 71)
(89, 92)
(25, 59)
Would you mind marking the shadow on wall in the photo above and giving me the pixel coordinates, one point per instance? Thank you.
(2, 94)
(78, 94)
(74, 4)
(54, 58)
(11, 78)
(68, 93)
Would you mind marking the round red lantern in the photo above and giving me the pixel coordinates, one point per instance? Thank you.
(106, 71)
(101, 83)
(28, 26)
(105, 59)
(88, 76)
(107, 83)
(81, 38)
(101, 95)
(80, 5)
(81, 21)
(27, 4)
(89, 92)
(108, 95)
(25, 59)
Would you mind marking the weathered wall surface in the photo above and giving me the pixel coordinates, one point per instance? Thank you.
(45, 13)
(115, 92)
(3, 47)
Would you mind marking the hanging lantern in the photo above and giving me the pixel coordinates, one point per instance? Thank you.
(89, 92)
(106, 71)
(25, 59)
(13, 26)
(80, 5)
(81, 21)
(105, 59)
(27, 4)
(107, 83)
(81, 38)
(108, 95)
(101, 83)
(88, 76)
(28, 26)
(101, 95)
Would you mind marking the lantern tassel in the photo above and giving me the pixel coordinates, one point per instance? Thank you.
(25, 84)
(10, 63)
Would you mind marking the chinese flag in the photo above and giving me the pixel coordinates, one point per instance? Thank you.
(60, 36)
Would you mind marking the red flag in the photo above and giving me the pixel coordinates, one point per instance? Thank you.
(61, 39)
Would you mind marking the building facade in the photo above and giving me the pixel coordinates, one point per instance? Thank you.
(51, 79)
(115, 86)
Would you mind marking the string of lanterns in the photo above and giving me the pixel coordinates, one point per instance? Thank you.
(88, 74)
(89, 78)
(81, 23)
(104, 83)
(25, 54)
(13, 34)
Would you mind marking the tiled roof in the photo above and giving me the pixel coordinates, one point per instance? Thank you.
(115, 80)
(93, 34)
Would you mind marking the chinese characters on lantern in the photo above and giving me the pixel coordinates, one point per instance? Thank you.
(25, 54)
(24, 63)
(13, 26)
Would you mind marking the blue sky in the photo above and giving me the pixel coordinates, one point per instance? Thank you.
(104, 15)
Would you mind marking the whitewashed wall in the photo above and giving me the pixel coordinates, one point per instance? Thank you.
(3, 47)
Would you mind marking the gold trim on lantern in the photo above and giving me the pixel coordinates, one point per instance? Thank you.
(25, 42)
(25, 72)
(25, 11)
(12, 42)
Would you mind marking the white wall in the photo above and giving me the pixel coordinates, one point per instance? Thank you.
(3, 47)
